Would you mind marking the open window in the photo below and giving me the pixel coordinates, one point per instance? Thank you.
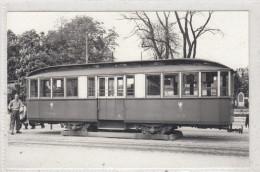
(153, 86)
(34, 88)
(130, 85)
(58, 87)
(102, 87)
(224, 83)
(111, 87)
(72, 87)
(91, 86)
(171, 82)
(209, 84)
(190, 84)
(120, 86)
(45, 88)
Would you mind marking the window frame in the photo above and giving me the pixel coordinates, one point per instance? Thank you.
(217, 89)
(116, 87)
(182, 84)
(146, 85)
(93, 77)
(66, 79)
(228, 85)
(38, 87)
(178, 85)
(45, 78)
(61, 97)
(133, 76)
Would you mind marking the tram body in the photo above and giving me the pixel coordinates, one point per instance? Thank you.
(147, 95)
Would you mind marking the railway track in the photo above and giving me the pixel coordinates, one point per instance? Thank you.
(217, 145)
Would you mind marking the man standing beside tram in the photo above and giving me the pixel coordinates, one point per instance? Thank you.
(15, 106)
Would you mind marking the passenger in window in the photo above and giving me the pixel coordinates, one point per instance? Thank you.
(58, 88)
(209, 83)
(190, 84)
(45, 88)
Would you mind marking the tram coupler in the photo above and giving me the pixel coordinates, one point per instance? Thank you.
(239, 130)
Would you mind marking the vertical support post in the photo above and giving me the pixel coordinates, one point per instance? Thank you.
(180, 84)
(51, 88)
(115, 86)
(87, 48)
(199, 84)
(39, 82)
(65, 87)
(106, 87)
(86, 87)
(29, 88)
(218, 90)
(96, 86)
(229, 83)
(162, 85)
(124, 80)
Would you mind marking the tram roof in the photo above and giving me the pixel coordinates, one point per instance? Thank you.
(143, 63)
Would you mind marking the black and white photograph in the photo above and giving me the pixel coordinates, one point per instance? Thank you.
(166, 89)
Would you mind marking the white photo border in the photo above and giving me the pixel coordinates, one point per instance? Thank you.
(252, 6)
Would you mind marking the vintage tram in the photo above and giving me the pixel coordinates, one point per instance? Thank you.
(154, 96)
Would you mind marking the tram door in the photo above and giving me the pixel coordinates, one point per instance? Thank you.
(111, 98)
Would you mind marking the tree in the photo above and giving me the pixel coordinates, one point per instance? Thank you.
(26, 53)
(13, 55)
(31, 50)
(160, 36)
(190, 34)
(241, 81)
(68, 42)
(157, 36)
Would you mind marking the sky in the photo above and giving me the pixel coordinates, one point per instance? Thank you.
(230, 49)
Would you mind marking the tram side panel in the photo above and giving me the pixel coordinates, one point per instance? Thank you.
(185, 111)
(162, 111)
(62, 110)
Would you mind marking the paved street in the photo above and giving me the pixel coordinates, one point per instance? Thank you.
(45, 148)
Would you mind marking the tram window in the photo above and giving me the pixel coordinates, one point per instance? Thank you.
(72, 87)
(130, 85)
(120, 86)
(153, 85)
(209, 83)
(171, 84)
(45, 88)
(91, 87)
(34, 88)
(58, 87)
(223, 83)
(111, 88)
(190, 84)
(102, 88)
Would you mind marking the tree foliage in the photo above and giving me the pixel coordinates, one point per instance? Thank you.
(66, 45)
(241, 81)
(68, 42)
